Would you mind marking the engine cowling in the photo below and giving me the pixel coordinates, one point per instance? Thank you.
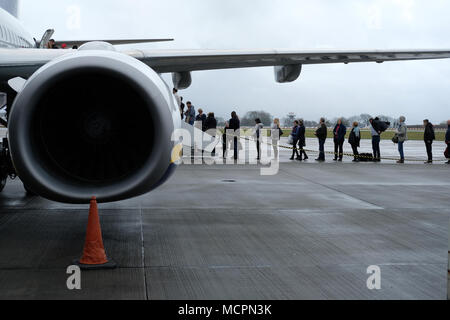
(93, 123)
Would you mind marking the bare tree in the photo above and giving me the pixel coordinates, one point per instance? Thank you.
(249, 119)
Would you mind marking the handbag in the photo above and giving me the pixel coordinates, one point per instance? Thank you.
(291, 140)
(395, 139)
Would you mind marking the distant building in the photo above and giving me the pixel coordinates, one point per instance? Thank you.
(289, 119)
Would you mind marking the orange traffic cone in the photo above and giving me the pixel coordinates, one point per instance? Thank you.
(94, 256)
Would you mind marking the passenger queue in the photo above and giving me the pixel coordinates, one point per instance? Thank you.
(297, 137)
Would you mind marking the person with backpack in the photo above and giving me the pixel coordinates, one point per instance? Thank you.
(401, 137)
(339, 132)
(376, 138)
(354, 140)
(429, 137)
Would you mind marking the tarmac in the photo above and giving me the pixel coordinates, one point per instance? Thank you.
(227, 232)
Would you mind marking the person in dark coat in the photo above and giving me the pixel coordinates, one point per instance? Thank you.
(302, 140)
(322, 133)
(429, 137)
(339, 132)
(190, 113)
(201, 117)
(258, 136)
(354, 140)
(376, 138)
(295, 134)
(235, 125)
(447, 141)
(211, 127)
(210, 122)
(182, 106)
(225, 139)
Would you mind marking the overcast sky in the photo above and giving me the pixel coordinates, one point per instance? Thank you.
(417, 90)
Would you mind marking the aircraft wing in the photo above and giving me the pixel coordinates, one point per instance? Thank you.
(194, 60)
(24, 62)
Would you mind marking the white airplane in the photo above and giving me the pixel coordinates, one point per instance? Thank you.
(69, 137)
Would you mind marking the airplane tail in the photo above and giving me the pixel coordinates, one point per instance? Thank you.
(12, 6)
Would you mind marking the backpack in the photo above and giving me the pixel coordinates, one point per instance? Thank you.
(383, 126)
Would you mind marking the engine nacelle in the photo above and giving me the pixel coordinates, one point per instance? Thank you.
(93, 123)
(287, 73)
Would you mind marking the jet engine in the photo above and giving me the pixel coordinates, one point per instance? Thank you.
(93, 123)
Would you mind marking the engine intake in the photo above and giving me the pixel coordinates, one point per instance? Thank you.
(92, 123)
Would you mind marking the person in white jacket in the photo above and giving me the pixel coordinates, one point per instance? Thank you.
(401, 134)
(276, 134)
(178, 99)
(257, 134)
